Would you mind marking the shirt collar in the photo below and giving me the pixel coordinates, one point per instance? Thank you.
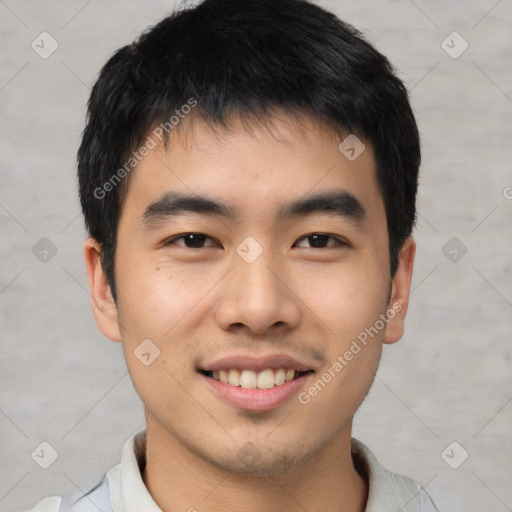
(128, 493)
(387, 490)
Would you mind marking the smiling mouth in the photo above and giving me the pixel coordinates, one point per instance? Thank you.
(248, 379)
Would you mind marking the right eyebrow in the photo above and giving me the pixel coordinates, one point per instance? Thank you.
(173, 204)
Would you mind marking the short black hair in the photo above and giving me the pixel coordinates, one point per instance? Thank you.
(245, 58)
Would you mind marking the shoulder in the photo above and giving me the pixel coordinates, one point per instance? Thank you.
(388, 491)
(49, 504)
(98, 498)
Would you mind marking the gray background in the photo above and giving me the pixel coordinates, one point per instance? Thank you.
(448, 380)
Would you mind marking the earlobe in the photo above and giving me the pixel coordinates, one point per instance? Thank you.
(103, 304)
(400, 290)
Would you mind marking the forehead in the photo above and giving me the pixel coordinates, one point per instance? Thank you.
(255, 165)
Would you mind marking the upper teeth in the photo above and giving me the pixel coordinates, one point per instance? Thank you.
(248, 379)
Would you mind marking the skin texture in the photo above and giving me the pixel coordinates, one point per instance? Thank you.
(206, 303)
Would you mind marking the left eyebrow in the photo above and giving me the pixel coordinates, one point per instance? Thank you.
(338, 202)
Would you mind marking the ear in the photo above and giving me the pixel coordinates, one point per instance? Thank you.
(103, 305)
(400, 290)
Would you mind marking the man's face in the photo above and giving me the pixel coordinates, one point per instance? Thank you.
(255, 286)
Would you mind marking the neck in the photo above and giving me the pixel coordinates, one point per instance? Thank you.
(179, 480)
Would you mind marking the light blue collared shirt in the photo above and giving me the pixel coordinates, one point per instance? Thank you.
(123, 490)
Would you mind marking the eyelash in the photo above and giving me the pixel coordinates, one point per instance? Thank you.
(339, 242)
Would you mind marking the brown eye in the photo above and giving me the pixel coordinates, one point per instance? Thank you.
(321, 241)
(190, 240)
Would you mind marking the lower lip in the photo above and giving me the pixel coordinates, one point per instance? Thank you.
(256, 399)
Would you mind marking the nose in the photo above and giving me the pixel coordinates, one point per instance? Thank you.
(258, 297)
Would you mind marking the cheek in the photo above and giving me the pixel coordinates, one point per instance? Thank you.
(347, 304)
(156, 304)
(345, 300)
(154, 296)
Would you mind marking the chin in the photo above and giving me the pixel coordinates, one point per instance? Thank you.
(259, 466)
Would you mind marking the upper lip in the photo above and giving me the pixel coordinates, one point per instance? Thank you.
(256, 363)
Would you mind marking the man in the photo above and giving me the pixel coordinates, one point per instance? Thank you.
(248, 176)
